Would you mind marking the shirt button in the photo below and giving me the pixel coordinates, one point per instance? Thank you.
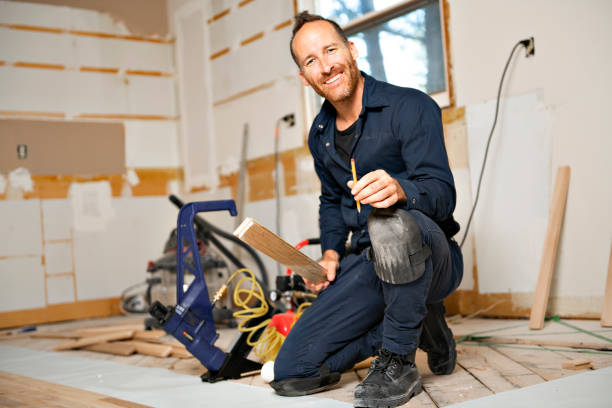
(320, 126)
(327, 144)
(414, 201)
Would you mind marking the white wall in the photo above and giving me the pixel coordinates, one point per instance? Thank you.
(49, 255)
(554, 112)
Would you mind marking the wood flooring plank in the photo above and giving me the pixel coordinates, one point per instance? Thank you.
(545, 363)
(498, 372)
(264, 240)
(450, 389)
(31, 392)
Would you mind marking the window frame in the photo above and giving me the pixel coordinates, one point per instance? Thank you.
(444, 98)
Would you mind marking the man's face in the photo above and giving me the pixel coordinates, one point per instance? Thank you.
(326, 62)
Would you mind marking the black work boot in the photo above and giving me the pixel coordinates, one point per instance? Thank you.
(437, 341)
(392, 380)
(295, 387)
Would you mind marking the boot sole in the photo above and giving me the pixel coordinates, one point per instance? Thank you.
(391, 401)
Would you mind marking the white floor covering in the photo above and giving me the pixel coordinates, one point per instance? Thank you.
(592, 389)
(156, 387)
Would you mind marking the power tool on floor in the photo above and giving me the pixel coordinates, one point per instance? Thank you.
(191, 320)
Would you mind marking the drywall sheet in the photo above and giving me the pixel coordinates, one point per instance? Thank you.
(20, 228)
(590, 389)
(119, 53)
(60, 289)
(510, 221)
(48, 48)
(110, 259)
(23, 283)
(57, 219)
(58, 147)
(156, 387)
(151, 144)
(261, 111)
(58, 257)
(92, 205)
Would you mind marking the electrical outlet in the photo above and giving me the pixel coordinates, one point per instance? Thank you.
(529, 44)
(289, 119)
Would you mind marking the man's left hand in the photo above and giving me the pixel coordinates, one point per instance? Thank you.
(378, 189)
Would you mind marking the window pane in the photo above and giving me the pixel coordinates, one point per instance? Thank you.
(405, 51)
(343, 11)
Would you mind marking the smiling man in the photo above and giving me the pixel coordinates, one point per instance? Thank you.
(383, 295)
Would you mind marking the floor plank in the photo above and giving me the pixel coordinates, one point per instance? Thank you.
(16, 390)
(495, 370)
(450, 389)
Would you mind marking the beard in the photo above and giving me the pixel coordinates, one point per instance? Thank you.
(346, 90)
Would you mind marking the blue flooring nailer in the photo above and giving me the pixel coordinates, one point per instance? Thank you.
(191, 320)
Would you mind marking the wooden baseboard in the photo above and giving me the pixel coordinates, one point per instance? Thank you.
(65, 311)
(502, 305)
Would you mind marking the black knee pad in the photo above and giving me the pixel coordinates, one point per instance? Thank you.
(398, 251)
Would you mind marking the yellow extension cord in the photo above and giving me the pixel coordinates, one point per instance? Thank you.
(270, 341)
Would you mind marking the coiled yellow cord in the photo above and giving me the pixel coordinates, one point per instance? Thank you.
(270, 341)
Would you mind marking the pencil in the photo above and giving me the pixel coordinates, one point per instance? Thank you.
(355, 181)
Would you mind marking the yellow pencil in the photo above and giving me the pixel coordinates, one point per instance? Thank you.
(355, 181)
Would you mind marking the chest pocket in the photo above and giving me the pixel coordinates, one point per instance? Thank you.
(378, 150)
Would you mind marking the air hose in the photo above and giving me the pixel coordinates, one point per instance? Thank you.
(269, 343)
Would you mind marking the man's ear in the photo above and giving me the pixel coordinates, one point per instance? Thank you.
(354, 51)
(303, 78)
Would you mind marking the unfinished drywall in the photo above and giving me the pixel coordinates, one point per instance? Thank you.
(546, 99)
(96, 108)
(140, 17)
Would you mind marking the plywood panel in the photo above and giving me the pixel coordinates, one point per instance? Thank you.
(58, 147)
(60, 289)
(151, 144)
(57, 218)
(20, 226)
(23, 283)
(58, 257)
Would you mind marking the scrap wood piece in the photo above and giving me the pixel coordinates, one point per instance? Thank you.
(119, 348)
(577, 364)
(97, 330)
(149, 335)
(180, 352)
(549, 254)
(261, 238)
(606, 314)
(87, 341)
(55, 335)
(151, 349)
(511, 340)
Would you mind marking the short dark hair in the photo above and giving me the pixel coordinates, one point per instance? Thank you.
(305, 17)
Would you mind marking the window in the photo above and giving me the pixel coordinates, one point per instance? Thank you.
(399, 41)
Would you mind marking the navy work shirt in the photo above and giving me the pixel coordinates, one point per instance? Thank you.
(400, 132)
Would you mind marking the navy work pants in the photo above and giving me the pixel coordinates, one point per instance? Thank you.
(358, 313)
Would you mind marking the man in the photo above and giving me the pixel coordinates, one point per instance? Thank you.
(385, 296)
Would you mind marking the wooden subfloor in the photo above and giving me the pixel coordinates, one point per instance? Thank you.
(483, 369)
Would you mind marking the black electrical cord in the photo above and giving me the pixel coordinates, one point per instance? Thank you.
(526, 44)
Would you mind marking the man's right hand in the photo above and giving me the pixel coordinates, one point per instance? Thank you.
(330, 262)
